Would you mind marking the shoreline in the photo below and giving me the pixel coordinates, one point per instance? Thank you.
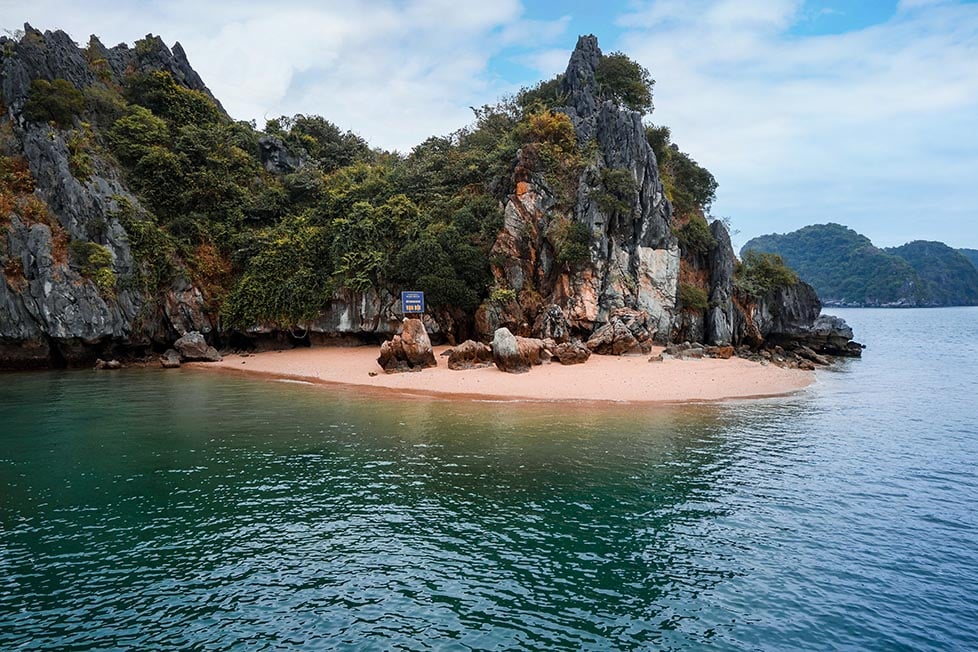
(602, 379)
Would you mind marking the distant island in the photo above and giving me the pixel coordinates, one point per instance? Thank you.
(846, 269)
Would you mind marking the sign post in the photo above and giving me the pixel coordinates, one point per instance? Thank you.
(412, 303)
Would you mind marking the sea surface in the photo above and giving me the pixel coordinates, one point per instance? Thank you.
(184, 509)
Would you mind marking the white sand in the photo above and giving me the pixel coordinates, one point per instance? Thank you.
(601, 378)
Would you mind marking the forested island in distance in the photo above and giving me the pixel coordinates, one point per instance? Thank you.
(846, 269)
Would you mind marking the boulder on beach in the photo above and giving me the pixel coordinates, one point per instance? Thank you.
(572, 352)
(533, 350)
(506, 352)
(192, 347)
(409, 350)
(469, 355)
(514, 354)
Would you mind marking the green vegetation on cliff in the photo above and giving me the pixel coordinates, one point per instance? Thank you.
(273, 224)
(689, 187)
(845, 267)
(758, 274)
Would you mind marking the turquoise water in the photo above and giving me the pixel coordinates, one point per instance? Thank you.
(185, 509)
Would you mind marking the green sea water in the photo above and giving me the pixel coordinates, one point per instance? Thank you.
(186, 509)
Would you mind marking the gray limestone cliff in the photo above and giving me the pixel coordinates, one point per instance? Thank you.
(634, 258)
(52, 311)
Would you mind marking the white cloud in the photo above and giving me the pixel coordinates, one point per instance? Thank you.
(876, 128)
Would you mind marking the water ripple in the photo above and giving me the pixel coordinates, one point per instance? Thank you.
(182, 510)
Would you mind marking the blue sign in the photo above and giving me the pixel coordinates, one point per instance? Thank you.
(412, 303)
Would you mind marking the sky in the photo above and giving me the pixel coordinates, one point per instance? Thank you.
(861, 112)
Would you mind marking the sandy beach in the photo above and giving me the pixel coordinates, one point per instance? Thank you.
(602, 378)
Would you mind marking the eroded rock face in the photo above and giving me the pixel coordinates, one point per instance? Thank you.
(277, 158)
(633, 256)
(719, 316)
(49, 300)
(184, 308)
(409, 350)
(626, 334)
(553, 324)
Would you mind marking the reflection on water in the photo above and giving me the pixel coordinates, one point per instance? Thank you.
(149, 509)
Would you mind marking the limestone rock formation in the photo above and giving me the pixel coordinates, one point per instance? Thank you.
(61, 314)
(633, 257)
(469, 355)
(720, 314)
(552, 324)
(277, 158)
(52, 312)
(830, 335)
(409, 350)
(575, 352)
(626, 334)
(193, 347)
(506, 353)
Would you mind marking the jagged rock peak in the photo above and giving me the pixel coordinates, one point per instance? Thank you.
(580, 83)
(55, 55)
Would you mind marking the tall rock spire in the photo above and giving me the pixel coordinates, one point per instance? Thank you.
(580, 84)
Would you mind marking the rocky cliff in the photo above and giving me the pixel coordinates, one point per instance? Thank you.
(634, 260)
(582, 244)
(633, 257)
(53, 312)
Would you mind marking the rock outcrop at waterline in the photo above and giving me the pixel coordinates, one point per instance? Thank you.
(51, 311)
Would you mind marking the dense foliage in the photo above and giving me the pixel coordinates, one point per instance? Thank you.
(277, 248)
(949, 277)
(693, 298)
(844, 266)
(95, 262)
(689, 186)
(625, 81)
(320, 139)
(53, 101)
(758, 274)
